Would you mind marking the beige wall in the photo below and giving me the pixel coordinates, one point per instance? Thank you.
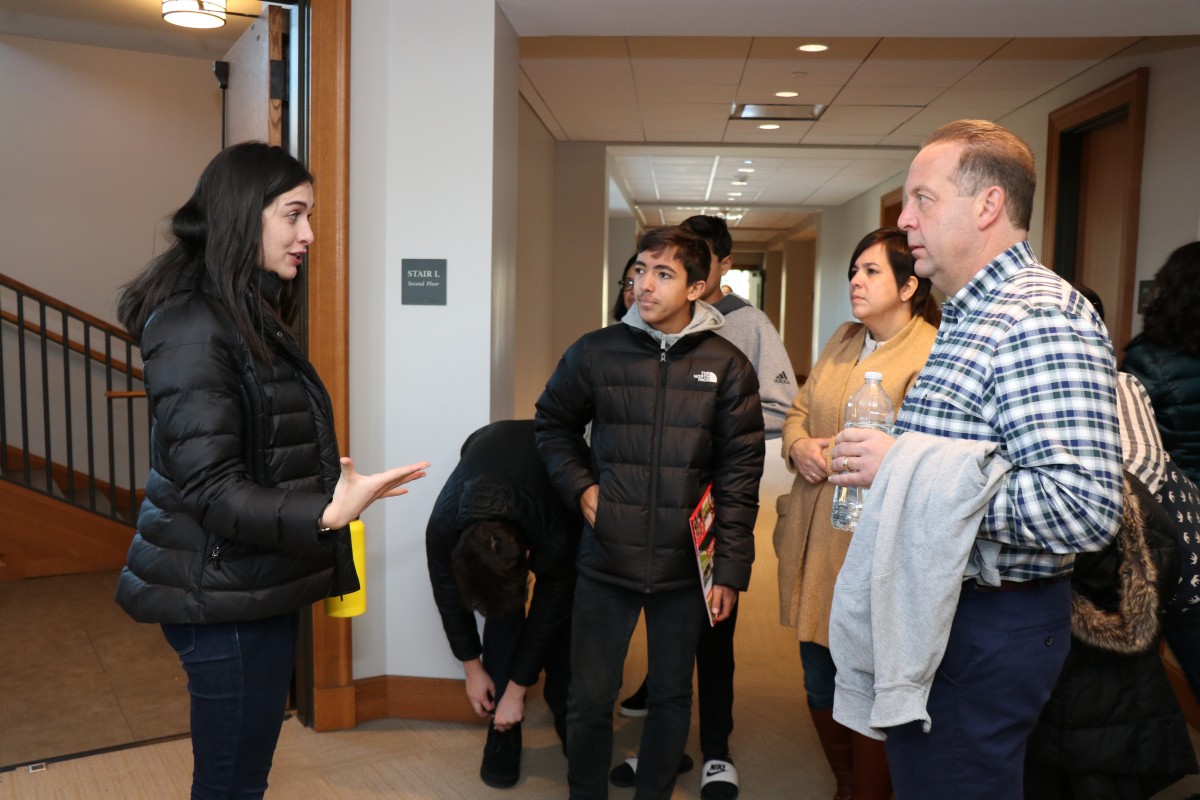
(580, 239)
(535, 263)
(99, 147)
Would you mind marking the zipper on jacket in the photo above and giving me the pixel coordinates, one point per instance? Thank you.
(656, 455)
(215, 557)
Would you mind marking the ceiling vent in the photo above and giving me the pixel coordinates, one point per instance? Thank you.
(778, 112)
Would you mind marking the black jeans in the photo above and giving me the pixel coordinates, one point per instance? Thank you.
(604, 619)
(714, 686)
(238, 679)
(501, 635)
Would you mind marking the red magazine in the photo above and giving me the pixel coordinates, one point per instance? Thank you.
(705, 543)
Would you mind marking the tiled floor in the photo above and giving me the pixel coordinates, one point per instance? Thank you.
(77, 674)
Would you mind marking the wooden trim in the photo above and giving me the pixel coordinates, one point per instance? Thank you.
(334, 704)
(894, 197)
(1131, 92)
(42, 297)
(391, 696)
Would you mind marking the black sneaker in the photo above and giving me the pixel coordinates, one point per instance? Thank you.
(501, 768)
(635, 704)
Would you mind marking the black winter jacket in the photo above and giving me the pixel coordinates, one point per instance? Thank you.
(499, 476)
(1112, 727)
(1172, 379)
(665, 423)
(243, 461)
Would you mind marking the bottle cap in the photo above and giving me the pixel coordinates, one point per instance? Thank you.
(874, 376)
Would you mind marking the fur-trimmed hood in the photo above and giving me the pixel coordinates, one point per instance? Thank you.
(1123, 617)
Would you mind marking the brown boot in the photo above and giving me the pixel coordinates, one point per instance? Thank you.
(872, 780)
(838, 743)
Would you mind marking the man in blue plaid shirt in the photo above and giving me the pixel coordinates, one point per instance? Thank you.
(1021, 360)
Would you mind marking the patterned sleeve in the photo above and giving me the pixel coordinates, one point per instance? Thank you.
(1054, 406)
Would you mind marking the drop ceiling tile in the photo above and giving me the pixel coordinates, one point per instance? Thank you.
(863, 120)
(558, 47)
(807, 95)
(699, 112)
(576, 112)
(904, 140)
(715, 47)
(928, 120)
(999, 98)
(927, 48)
(687, 93)
(1006, 74)
(816, 137)
(578, 71)
(840, 48)
(888, 95)
(792, 76)
(1056, 49)
(676, 71)
(900, 72)
(555, 93)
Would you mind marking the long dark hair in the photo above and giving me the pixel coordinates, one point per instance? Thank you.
(900, 259)
(1170, 315)
(217, 247)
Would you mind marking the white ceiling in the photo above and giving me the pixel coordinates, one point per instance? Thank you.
(659, 82)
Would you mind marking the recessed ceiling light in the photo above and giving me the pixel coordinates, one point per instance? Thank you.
(739, 181)
(747, 161)
(745, 169)
(769, 126)
(735, 194)
(787, 94)
(813, 48)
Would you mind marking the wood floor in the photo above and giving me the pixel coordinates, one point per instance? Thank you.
(776, 751)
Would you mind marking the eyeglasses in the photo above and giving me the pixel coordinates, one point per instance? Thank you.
(627, 283)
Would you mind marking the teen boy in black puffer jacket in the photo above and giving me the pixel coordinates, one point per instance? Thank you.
(673, 407)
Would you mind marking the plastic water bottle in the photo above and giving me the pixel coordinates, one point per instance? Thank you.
(869, 407)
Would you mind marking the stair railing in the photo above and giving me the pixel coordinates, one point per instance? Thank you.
(61, 365)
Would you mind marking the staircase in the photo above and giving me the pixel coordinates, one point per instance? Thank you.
(73, 437)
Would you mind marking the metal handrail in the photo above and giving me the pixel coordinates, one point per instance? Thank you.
(58, 346)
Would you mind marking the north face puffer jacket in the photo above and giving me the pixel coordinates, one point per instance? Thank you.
(665, 423)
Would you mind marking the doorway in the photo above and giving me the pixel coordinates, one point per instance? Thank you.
(1093, 193)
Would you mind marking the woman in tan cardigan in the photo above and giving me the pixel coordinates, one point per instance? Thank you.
(892, 336)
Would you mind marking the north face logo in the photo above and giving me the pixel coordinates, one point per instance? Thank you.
(782, 378)
(705, 377)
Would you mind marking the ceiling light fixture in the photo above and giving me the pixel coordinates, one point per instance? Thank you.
(746, 169)
(747, 161)
(770, 126)
(734, 194)
(787, 94)
(194, 13)
(813, 48)
(778, 112)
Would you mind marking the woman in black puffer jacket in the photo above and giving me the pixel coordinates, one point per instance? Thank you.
(1112, 728)
(1165, 357)
(247, 503)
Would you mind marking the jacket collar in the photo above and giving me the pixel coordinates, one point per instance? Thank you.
(704, 318)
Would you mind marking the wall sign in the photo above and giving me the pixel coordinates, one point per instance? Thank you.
(424, 282)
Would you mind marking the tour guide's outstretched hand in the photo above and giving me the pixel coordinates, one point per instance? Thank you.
(355, 492)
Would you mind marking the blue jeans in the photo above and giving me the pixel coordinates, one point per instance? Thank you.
(603, 621)
(1003, 659)
(238, 679)
(819, 674)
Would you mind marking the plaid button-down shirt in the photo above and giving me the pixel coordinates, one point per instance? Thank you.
(1022, 360)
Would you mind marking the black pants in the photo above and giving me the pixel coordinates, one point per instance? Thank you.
(714, 686)
(501, 634)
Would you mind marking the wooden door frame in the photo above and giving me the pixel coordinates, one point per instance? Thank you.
(1128, 94)
(333, 693)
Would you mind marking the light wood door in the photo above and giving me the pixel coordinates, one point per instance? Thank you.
(254, 101)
